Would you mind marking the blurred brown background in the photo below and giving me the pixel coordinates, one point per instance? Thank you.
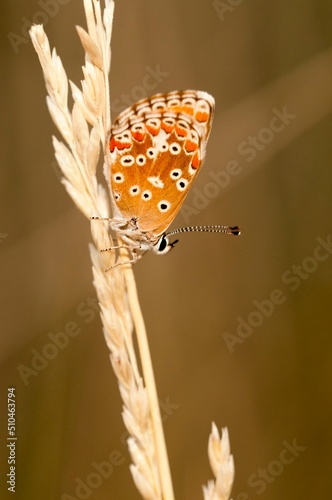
(269, 66)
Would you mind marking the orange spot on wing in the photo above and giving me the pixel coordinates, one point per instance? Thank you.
(137, 135)
(188, 110)
(202, 116)
(153, 130)
(175, 109)
(168, 128)
(119, 145)
(122, 145)
(195, 162)
(181, 132)
(190, 146)
(112, 144)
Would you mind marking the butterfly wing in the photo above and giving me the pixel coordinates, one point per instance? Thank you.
(156, 150)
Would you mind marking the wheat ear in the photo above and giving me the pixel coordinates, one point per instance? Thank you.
(222, 465)
(84, 130)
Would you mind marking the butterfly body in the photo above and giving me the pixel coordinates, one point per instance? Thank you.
(156, 149)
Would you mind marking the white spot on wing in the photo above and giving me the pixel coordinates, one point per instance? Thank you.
(159, 106)
(203, 105)
(188, 102)
(146, 195)
(163, 147)
(151, 152)
(156, 182)
(192, 170)
(140, 160)
(153, 122)
(164, 206)
(138, 127)
(127, 160)
(174, 148)
(175, 173)
(181, 184)
(173, 102)
(194, 136)
(118, 177)
(134, 190)
(159, 140)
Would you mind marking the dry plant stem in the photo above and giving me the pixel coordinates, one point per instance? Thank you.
(118, 298)
(164, 469)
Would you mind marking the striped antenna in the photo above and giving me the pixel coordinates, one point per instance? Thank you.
(207, 229)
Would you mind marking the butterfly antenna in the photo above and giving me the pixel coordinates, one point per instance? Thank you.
(207, 229)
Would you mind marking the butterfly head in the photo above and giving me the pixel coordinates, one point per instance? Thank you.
(163, 245)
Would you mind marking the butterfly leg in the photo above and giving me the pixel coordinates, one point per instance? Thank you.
(133, 260)
(116, 247)
(117, 222)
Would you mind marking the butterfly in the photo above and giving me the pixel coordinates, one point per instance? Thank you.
(156, 149)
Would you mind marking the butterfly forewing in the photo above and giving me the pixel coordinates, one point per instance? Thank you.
(156, 150)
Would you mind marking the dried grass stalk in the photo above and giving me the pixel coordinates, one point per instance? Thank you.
(85, 130)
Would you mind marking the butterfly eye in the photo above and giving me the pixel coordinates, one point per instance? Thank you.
(175, 174)
(140, 160)
(164, 206)
(118, 178)
(134, 190)
(175, 148)
(181, 184)
(162, 244)
(151, 152)
(127, 160)
(146, 195)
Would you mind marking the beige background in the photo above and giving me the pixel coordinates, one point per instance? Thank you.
(275, 386)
